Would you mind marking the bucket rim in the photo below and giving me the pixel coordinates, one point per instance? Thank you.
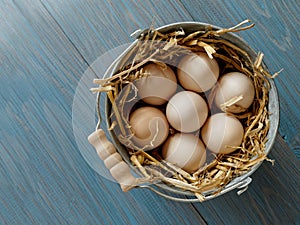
(273, 104)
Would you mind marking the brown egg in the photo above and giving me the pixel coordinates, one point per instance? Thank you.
(198, 72)
(186, 111)
(184, 150)
(222, 133)
(158, 86)
(149, 126)
(234, 84)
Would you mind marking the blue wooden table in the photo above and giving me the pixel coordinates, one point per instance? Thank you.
(47, 46)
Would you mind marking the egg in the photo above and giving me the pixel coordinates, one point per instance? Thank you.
(222, 133)
(184, 150)
(149, 126)
(197, 72)
(159, 84)
(232, 85)
(186, 111)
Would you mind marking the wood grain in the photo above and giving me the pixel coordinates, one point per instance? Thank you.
(45, 49)
(273, 192)
(108, 24)
(44, 178)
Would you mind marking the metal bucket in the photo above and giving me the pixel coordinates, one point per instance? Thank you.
(241, 182)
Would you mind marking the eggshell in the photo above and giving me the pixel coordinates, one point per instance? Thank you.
(186, 111)
(158, 85)
(185, 150)
(149, 126)
(198, 72)
(222, 131)
(232, 85)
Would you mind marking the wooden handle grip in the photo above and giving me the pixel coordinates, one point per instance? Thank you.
(119, 170)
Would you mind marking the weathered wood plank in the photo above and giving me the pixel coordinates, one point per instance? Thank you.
(206, 15)
(98, 26)
(277, 35)
(44, 178)
(272, 197)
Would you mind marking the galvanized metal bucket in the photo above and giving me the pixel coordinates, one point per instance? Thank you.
(241, 183)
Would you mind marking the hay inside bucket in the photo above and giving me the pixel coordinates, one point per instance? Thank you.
(164, 45)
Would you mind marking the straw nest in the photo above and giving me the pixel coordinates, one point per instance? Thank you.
(153, 46)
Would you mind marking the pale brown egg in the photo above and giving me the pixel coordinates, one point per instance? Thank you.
(222, 133)
(186, 111)
(158, 85)
(184, 150)
(149, 126)
(198, 72)
(234, 85)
